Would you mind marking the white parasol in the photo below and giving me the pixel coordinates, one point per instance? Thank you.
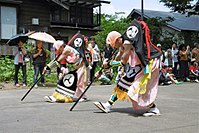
(42, 36)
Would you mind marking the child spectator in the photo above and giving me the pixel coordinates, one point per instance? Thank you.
(194, 70)
(167, 77)
(106, 77)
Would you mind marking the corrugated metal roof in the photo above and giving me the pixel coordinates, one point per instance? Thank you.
(181, 21)
(90, 3)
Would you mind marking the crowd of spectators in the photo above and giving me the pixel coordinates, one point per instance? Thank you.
(179, 64)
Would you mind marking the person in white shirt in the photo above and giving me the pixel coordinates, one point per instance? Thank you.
(168, 62)
(175, 59)
(95, 57)
(19, 62)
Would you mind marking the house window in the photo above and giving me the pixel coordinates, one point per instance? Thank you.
(60, 15)
(8, 22)
(83, 15)
(56, 15)
(64, 15)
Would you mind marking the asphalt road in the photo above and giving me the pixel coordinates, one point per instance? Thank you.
(179, 106)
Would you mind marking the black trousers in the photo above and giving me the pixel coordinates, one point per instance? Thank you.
(17, 67)
(175, 71)
(184, 69)
(92, 72)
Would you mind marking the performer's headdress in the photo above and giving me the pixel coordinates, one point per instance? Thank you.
(57, 44)
(78, 42)
(112, 37)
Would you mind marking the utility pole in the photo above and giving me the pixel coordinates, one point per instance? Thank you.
(142, 10)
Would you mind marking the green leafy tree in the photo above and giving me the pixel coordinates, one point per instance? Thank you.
(164, 37)
(156, 31)
(113, 22)
(110, 23)
(190, 7)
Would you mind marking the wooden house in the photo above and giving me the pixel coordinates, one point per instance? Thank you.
(61, 18)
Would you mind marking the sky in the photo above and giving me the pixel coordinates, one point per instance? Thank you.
(127, 6)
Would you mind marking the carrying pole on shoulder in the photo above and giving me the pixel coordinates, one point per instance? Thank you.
(91, 82)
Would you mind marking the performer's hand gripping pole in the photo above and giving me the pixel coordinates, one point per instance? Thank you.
(100, 71)
(52, 64)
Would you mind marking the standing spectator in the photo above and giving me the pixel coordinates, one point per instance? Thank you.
(162, 57)
(95, 58)
(19, 61)
(168, 62)
(183, 58)
(88, 54)
(107, 51)
(189, 54)
(175, 59)
(195, 52)
(39, 61)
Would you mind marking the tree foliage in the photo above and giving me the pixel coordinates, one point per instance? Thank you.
(190, 7)
(110, 23)
(164, 37)
(155, 26)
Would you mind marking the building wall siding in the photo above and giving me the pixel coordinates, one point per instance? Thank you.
(41, 9)
(34, 9)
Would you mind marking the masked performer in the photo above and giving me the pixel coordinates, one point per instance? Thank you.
(71, 83)
(141, 61)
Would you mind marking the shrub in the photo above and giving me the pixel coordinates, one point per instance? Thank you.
(6, 69)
